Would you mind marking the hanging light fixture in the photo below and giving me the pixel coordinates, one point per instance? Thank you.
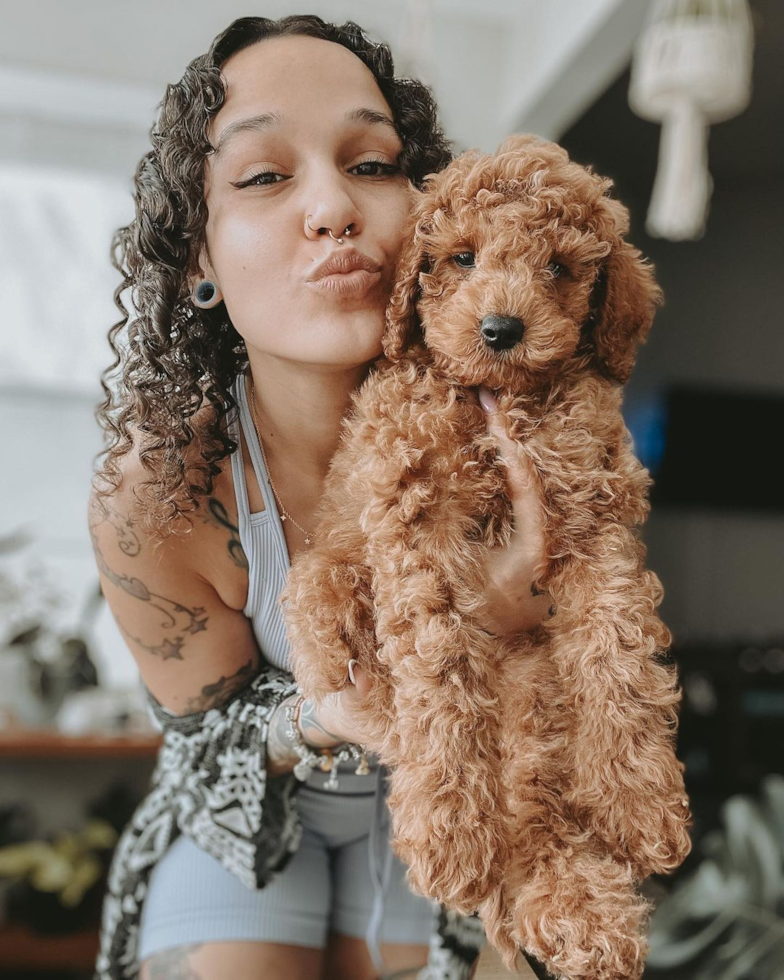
(691, 67)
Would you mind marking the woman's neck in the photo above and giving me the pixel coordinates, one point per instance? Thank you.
(299, 410)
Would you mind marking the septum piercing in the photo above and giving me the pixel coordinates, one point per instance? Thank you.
(338, 240)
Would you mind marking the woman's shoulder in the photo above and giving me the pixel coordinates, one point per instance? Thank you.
(209, 543)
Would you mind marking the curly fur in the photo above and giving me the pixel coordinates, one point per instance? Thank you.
(535, 778)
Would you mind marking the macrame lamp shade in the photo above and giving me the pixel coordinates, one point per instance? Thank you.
(691, 67)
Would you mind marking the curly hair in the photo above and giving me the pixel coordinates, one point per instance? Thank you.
(176, 357)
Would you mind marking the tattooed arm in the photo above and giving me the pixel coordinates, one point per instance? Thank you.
(193, 650)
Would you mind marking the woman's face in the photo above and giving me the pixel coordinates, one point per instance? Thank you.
(266, 178)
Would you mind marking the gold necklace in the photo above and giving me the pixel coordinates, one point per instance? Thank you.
(284, 514)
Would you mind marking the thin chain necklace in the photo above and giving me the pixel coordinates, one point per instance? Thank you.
(284, 514)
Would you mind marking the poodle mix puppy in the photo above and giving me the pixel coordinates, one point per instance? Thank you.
(534, 778)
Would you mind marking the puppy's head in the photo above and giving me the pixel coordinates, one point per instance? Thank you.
(517, 265)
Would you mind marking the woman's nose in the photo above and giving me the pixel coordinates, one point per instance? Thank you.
(336, 231)
(329, 207)
(339, 223)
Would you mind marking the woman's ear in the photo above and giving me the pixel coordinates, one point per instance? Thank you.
(200, 268)
(625, 300)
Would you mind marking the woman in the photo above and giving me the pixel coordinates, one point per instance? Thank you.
(288, 143)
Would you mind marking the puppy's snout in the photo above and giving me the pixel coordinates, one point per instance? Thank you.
(502, 332)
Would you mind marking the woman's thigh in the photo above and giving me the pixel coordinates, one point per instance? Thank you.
(407, 918)
(193, 901)
(238, 960)
(347, 958)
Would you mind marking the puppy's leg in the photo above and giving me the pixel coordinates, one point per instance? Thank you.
(446, 797)
(563, 899)
(329, 617)
(575, 910)
(626, 782)
(328, 605)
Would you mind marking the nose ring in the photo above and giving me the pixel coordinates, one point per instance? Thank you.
(338, 240)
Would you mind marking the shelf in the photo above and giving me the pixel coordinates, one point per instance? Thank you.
(490, 967)
(50, 744)
(21, 948)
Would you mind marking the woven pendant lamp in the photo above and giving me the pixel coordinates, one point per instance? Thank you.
(691, 67)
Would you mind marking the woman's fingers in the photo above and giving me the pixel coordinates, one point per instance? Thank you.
(339, 712)
(359, 681)
(521, 480)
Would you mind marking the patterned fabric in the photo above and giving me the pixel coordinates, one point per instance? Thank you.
(210, 783)
(454, 945)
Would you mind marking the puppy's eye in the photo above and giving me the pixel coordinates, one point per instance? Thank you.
(466, 260)
(557, 269)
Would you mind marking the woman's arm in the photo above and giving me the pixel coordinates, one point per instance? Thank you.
(193, 651)
(330, 722)
(513, 602)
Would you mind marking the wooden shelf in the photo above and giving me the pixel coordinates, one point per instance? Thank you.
(490, 966)
(45, 744)
(21, 948)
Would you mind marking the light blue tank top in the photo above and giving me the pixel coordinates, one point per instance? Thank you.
(261, 537)
(264, 544)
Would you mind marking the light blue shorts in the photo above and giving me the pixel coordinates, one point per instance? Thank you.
(331, 883)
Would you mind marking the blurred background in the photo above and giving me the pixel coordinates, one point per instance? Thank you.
(681, 102)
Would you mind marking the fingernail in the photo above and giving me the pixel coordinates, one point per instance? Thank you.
(351, 672)
(487, 400)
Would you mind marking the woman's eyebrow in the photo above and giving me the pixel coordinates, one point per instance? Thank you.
(268, 120)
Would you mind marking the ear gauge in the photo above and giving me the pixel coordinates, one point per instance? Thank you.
(207, 295)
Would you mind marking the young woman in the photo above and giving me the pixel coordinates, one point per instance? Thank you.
(289, 145)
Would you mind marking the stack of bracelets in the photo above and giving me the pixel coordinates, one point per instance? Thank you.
(327, 760)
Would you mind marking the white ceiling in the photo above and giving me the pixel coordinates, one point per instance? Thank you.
(495, 67)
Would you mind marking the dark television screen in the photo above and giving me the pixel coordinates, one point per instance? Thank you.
(721, 448)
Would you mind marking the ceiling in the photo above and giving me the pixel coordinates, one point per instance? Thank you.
(496, 67)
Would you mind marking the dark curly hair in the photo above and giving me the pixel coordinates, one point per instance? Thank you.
(176, 357)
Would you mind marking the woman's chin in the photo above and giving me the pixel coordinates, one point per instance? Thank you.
(351, 344)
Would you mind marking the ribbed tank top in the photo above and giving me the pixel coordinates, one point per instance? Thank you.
(264, 544)
(261, 537)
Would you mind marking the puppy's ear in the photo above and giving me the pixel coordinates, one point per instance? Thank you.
(624, 303)
(402, 319)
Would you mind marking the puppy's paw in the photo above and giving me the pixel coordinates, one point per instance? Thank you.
(582, 918)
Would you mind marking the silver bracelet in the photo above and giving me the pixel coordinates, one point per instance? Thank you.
(325, 759)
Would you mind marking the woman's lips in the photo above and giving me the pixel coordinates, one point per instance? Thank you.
(356, 281)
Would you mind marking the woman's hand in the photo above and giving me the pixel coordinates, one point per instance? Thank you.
(323, 724)
(512, 603)
(335, 718)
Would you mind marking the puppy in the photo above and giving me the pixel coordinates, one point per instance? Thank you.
(534, 778)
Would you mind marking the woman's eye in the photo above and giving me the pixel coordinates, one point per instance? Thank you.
(557, 269)
(386, 168)
(257, 179)
(466, 260)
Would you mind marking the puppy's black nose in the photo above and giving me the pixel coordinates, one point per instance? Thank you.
(502, 332)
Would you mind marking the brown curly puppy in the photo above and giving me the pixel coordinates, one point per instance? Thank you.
(534, 779)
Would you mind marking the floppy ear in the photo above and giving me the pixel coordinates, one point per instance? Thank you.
(624, 303)
(402, 319)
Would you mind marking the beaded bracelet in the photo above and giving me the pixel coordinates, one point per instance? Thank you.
(327, 760)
